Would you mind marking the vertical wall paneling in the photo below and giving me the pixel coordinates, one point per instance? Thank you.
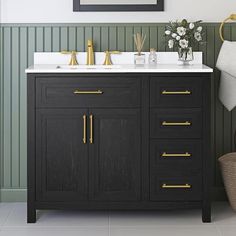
(104, 38)
(121, 38)
(47, 39)
(23, 109)
(112, 38)
(55, 39)
(97, 38)
(129, 41)
(7, 116)
(15, 108)
(1, 112)
(72, 38)
(80, 39)
(19, 42)
(161, 38)
(64, 38)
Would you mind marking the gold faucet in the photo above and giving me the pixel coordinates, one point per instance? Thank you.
(108, 61)
(90, 53)
(73, 59)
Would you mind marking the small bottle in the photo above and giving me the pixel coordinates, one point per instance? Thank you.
(152, 57)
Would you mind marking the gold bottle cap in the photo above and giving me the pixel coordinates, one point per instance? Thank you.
(153, 50)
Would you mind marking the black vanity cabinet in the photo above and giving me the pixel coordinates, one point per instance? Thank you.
(119, 141)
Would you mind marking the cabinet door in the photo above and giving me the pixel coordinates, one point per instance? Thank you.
(62, 155)
(115, 154)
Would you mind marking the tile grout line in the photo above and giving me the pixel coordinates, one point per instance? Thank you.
(218, 230)
(8, 215)
(109, 225)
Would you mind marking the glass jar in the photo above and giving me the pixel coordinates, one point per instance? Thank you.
(152, 59)
(139, 59)
(185, 55)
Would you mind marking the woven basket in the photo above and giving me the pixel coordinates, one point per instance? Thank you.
(228, 169)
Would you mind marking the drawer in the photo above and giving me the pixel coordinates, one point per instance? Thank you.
(176, 186)
(177, 153)
(92, 91)
(176, 123)
(176, 92)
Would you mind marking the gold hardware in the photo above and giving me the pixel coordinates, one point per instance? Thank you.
(231, 17)
(85, 129)
(187, 186)
(77, 91)
(91, 129)
(186, 123)
(164, 154)
(108, 61)
(73, 59)
(90, 53)
(187, 92)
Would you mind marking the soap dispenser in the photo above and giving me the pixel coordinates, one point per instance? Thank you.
(152, 57)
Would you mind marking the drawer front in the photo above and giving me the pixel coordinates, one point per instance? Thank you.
(175, 186)
(173, 123)
(176, 92)
(93, 91)
(178, 153)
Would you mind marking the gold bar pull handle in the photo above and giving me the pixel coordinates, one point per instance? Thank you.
(176, 186)
(186, 123)
(166, 155)
(85, 129)
(186, 92)
(91, 129)
(95, 92)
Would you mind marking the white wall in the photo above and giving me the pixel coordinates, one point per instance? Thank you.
(52, 11)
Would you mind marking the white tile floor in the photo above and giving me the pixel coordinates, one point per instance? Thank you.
(67, 223)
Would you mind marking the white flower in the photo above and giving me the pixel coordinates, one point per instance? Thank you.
(174, 35)
(167, 32)
(177, 38)
(181, 31)
(183, 43)
(171, 43)
(198, 36)
(199, 28)
(191, 25)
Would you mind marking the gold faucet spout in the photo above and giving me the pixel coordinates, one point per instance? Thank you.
(90, 53)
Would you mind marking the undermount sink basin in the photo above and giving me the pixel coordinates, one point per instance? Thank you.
(78, 67)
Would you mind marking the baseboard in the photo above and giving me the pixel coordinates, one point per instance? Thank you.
(13, 195)
(20, 195)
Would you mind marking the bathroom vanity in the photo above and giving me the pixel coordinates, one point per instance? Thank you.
(119, 138)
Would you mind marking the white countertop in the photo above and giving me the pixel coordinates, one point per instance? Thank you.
(159, 68)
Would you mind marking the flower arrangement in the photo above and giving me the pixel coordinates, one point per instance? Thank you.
(183, 35)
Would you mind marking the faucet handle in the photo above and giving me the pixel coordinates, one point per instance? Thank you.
(108, 61)
(73, 60)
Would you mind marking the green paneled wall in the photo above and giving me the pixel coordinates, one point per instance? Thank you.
(18, 42)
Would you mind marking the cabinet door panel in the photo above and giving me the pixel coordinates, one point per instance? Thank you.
(115, 155)
(61, 155)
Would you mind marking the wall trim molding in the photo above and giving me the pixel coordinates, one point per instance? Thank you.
(13, 195)
(97, 24)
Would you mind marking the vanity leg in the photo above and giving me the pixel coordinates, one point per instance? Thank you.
(206, 214)
(31, 215)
